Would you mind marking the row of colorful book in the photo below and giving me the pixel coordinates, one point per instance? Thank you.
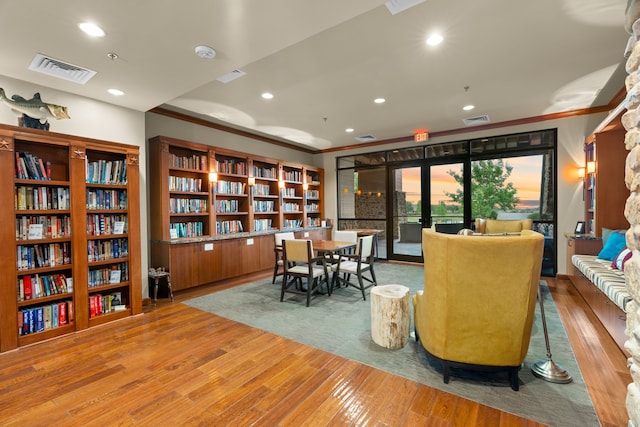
(41, 285)
(41, 198)
(29, 166)
(50, 316)
(43, 255)
(113, 172)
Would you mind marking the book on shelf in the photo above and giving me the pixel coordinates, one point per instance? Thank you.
(118, 227)
(35, 232)
(115, 276)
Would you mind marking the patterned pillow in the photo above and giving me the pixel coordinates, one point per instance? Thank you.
(621, 259)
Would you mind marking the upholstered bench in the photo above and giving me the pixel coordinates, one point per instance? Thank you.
(604, 290)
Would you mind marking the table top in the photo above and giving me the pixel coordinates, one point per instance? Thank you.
(331, 245)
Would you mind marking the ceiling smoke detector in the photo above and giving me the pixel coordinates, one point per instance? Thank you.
(205, 52)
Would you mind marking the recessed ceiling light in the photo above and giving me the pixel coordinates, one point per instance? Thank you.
(349, 130)
(267, 95)
(115, 92)
(92, 29)
(379, 100)
(434, 40)
(468, 107)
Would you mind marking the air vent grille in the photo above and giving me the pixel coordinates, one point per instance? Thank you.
(366, 138)
(397, 6)
(235, 74)
(60, 69)
(477, 120)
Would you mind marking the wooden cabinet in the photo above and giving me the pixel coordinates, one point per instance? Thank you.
(236, 200)
(71, 218)
(580, 245)
(605, 192)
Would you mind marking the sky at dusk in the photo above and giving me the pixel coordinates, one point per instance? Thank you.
(525, 177)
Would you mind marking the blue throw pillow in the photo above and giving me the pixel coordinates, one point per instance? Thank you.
(615, 243)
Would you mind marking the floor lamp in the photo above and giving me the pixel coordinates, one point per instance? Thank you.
(547, 369)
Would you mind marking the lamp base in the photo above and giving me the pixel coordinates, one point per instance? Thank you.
(549, 371)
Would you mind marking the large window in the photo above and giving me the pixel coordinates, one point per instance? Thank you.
(447, 186)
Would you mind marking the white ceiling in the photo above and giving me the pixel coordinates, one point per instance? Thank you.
(325, 61)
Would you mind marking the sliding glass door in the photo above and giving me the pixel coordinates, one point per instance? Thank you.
(406, 213)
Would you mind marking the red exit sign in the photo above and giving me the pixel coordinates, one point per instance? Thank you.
(421, 135)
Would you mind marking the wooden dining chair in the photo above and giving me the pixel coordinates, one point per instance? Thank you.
(304, 273)
(356, 265)
(341, 236)
(278, 250)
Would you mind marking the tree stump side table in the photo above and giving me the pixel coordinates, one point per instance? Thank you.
(390, 316)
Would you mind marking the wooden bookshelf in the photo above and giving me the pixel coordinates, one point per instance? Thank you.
(249, 198)
(60, 206)
(605, 192)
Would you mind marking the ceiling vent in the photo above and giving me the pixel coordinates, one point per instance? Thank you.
(477, 120)
(366, 138)
(62, 70)
(231, 76)
(397, 6)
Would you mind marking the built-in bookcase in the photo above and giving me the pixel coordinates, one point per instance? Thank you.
(313, 197)
(71, 209)
(212, 192)
(230, 193)
(292, 196)
(605, 192)
(264, 193)
(248, 198)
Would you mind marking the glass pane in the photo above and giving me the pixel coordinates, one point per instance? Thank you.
(448, 149)
(414, 153)
(545, 138)
(511, 188)
(447, 197)
(407, 215)
(347, 187)
(376, 226)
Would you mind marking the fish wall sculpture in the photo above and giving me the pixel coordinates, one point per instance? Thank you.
(35, 109)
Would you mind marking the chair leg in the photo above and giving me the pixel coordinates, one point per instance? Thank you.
(284, 284)
(361, 286)
(513, 379)
(373, 275)
(310, 283)
(275, 274)
(445, 372)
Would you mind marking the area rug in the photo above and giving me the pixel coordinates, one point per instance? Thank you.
(341, 324)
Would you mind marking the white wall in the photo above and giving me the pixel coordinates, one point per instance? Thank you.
(157, 125)
(571, 135)
(91, 119)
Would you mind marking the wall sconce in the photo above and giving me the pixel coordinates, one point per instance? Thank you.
(251, 181)
(581, 172)
(305, 186)
(591, 167)
(213, 176)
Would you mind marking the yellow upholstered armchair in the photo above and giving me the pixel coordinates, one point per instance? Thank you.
(477, 307)
(501, 226)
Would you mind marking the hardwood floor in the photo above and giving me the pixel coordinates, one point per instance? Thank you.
(175, 365)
